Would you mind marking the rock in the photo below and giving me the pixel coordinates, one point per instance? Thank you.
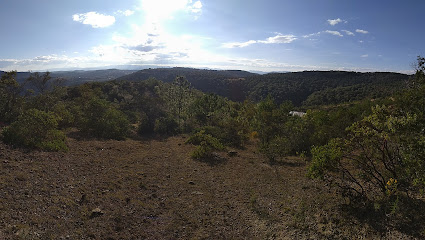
(97, 212)
(191, 183)
(232, 153)
(216, 157)
(197, 193)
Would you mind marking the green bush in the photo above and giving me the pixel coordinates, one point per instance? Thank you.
(166, 125)
(275, 148)
(101, 119)
(65, 117)
(385, 147)
(207, 144)
(146, 125)
(36, 129)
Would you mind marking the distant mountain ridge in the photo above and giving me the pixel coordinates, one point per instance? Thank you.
(302, 88)
(306, 88)
(228, 83)
(324, 87)
(77, 77)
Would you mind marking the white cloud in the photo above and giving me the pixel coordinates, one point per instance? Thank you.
(312, 35)
(362, 31)
(334, 22)
(160, 10)
(239, 44)
(365, 56)
(96, 20)
(336, 33)
(348, 32)
(196, 7)
(278, 39)
(125, 13)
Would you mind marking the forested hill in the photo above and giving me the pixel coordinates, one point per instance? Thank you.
(324, 87)
(302, 88)
(308, 88)
(228, 83)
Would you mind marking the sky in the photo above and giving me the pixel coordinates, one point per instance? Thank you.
(253, 35)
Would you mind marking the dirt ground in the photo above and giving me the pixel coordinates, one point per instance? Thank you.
(152, 189)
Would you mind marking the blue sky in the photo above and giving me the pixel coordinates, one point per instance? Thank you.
(260, 35)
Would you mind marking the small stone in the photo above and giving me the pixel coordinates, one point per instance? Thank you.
(97, 212)
(232, 153)
(191, 183)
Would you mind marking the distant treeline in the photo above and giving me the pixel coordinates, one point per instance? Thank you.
(301, 88)
(309, 88)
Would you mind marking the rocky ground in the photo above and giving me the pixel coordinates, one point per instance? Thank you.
(152, 189)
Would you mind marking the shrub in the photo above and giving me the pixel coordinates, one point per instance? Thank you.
(384, 148)
(207, 144)
(146, 125)
(166, 125)
(65, 117)
(101, 119)
(36, 129)
(275, 148)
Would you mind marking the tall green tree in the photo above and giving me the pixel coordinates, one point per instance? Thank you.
(179, 97)
(11, 97)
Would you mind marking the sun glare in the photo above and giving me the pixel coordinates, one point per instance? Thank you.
(163, 9)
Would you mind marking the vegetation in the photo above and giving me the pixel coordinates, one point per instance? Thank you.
(36, 129)
(382, 155)
(207, 144)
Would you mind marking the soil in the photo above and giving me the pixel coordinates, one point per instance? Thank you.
(153, 189)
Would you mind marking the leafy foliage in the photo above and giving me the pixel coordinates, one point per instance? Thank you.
(166, 126)
(383, 154)
(11, 99)
(100, 119)
(207, 144)
(378, 148)
(36, 129)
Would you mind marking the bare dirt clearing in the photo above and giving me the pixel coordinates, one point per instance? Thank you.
(154, 190)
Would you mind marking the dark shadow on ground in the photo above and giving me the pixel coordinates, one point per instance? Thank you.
(406, 216)
(289, 163)
(214, 160)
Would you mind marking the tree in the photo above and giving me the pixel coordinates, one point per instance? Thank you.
(205, 107)
(418, 78)
(48, 91)
(179, 98)
(11, 97)
(276, 129)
